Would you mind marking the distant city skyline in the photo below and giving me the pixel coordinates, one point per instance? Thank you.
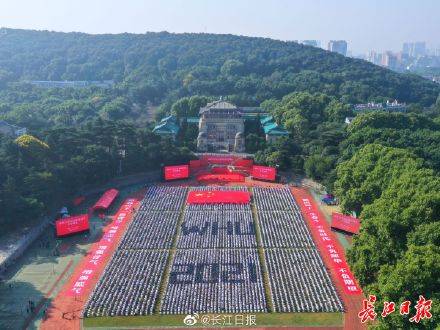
(365, 24)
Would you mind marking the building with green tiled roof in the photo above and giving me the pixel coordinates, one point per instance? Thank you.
(272, 130)
(168, 126)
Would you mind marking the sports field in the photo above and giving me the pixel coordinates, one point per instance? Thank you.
(32, 279)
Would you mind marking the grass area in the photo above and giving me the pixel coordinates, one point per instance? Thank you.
(262, 319)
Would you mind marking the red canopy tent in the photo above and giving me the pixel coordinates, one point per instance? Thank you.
(106, 200)
(218, 197)
(346, 223)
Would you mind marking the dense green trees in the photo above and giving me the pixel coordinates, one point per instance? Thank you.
(283, 153)
(316, 126)
(153, 68)
(363, 178)
(188, 106)
(416, 273)
(418, 133)
(394, 254)
(388, 172)
(37, 173)
(154, 64)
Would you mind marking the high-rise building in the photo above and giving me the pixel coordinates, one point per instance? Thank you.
(338, 46)
(389, 60)
(414, 49)
(314, 43)
(407, 48)
(374, 57)
(419, 49)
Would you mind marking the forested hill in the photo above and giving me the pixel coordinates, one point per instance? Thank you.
(156, 66)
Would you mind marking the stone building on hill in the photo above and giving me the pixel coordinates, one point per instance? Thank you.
(221, 128)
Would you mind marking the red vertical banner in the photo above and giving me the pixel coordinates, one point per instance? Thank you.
(327, 245)
(101, 250)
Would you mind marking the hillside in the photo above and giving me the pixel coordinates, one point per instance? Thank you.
(156, 66)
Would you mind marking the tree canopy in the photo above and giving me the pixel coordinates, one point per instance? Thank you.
(36, 174)
(154, 68)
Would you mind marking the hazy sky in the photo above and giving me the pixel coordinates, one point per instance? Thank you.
(365, 24)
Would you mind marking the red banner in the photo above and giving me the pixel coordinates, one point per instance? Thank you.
(176, 172)
(101, 250)
(244, 162)
(264, 173)
(224, 160)
(328, 247)
(222, 177)
(71, 225)
(218, 197)
(106, 199)
(346, 223)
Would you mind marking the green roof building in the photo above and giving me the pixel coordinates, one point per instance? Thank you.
(272, 130)
(168, 126)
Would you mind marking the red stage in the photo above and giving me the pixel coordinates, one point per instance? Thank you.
(218, 197)
(221, 177)
(225, 166)
(106, 199)
(264, 173)
(72, 225)
(176, 172)
(221, 170)
(346, 223)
